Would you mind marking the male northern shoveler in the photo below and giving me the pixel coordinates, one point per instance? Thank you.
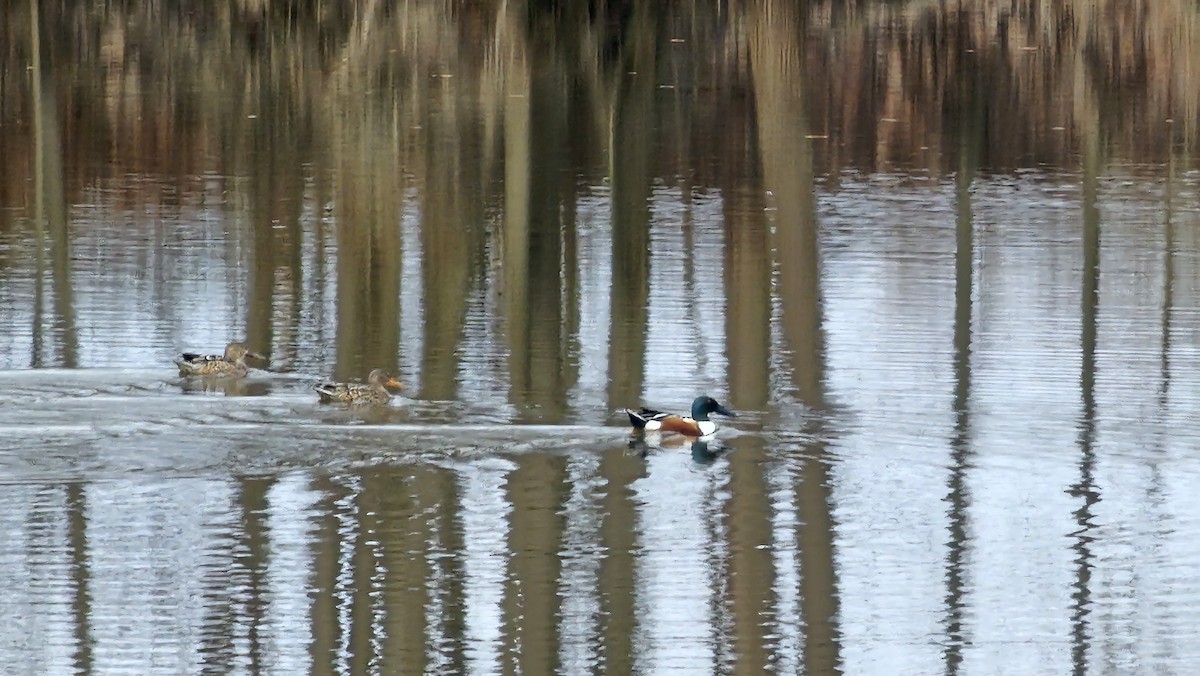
(232, 363)
(373, 392)
(698, 425)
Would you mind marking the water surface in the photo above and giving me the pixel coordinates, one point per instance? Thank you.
(944, 264)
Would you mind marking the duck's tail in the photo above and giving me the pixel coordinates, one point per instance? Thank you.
(186, 367)
(640, 417)
(326, 392)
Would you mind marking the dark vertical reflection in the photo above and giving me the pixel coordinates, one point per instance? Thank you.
(751, 586)
(53, 195)
(631, 161)
(367, 269)
(451, 217)
(541, 387)
(292, 340)
(368, 204)
(1085, 488)
(780, 98)
(318, 263)
(1156, 488)
(39, 269)
(50, 200)
(261, 303)
(579, 112)
(450, 625)
(537, 492)
(362, 531)
(217, 646)
(81, 576)
(253, 550)
(751, 583)
(327, 539)
(396, 513)
(631, 153)
(276, 195)
(1168, 302)
(518, 176)
(960, 445)
(747, 286)
(618, 537)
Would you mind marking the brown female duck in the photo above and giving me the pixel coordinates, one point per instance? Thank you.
(373, 392)
(232, 363)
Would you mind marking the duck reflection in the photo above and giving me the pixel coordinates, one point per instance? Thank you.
(703, 453)
(230, 387)
(360, 415)
(704, 449)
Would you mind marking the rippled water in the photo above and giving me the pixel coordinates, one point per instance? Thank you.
(961, 339)
(973, 505)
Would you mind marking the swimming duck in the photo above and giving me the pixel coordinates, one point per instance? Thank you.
(232, 363)
(698, 425)
(373, 392)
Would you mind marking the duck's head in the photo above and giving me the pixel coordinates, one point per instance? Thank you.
(384, 379)
(238, 352)
(703, 405)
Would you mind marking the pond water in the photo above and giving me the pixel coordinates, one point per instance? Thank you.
(945, 265)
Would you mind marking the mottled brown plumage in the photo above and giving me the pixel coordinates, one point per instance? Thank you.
(232, 363)
(374, 391)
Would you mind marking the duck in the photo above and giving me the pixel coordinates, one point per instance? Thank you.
(232, 363)
(696, 425)
(374, 391)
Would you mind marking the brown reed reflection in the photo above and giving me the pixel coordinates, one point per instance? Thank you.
(781, 97)
(751, 588)
(275, 191)
(253, 563)
(538, 190)
(1032, 56)
(618, 536)
(403, 551)
(452, 237)
(531, 603)
(50, 204)
(367, 207)
(632, 177)
(325, 649)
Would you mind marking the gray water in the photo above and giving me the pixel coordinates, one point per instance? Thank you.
(963, 357)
